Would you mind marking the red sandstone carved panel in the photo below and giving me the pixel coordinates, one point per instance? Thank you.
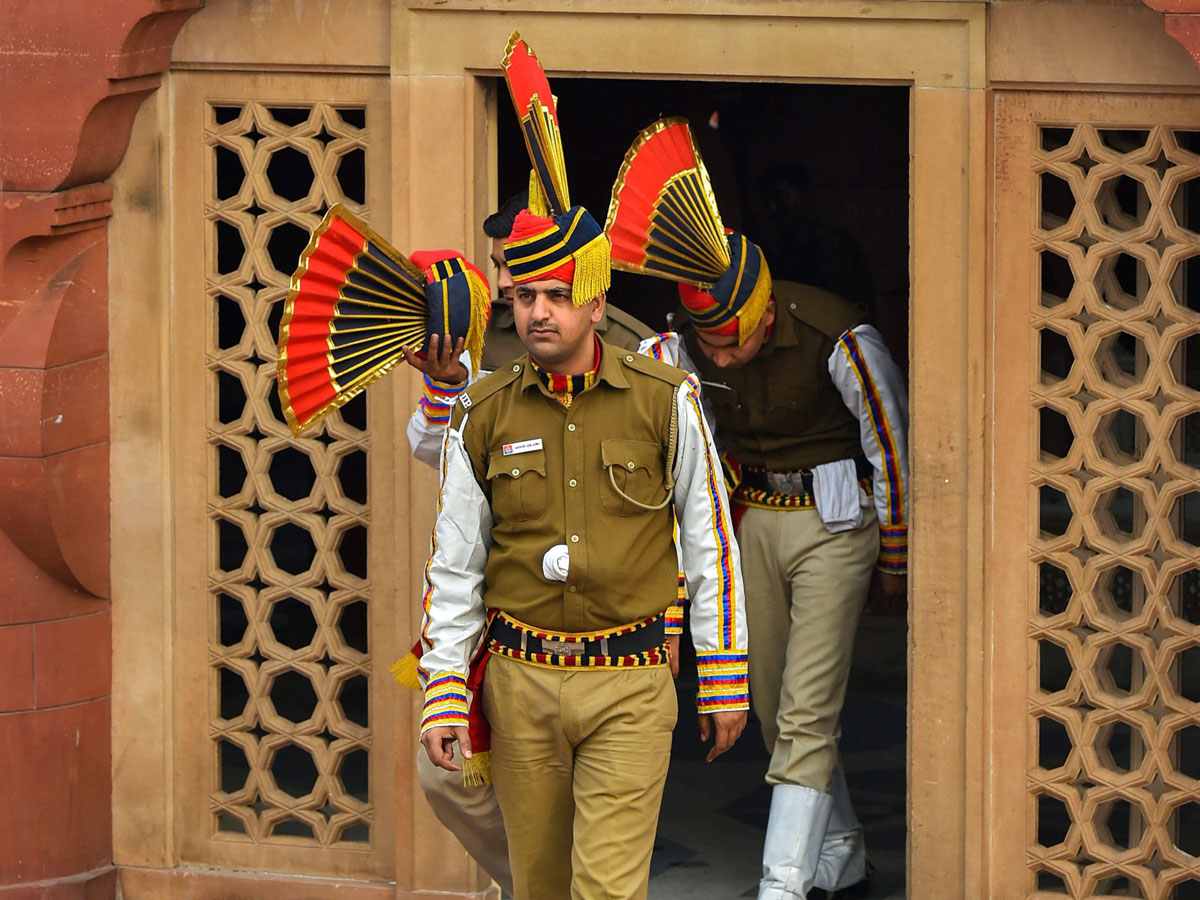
(74, 75)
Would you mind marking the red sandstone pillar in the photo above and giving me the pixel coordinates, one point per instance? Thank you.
(74, 75)
(1183, 22)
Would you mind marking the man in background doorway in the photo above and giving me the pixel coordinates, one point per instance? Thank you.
(810, 414)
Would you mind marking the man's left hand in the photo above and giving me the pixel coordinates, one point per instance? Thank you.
(673, 654)
(728, 726)
(888, 593)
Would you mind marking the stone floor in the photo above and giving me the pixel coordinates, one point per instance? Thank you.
(714, 814)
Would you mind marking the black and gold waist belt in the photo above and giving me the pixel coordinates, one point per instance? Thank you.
(638, 644)
(787, 490)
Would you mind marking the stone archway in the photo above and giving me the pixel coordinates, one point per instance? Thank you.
(75, 76)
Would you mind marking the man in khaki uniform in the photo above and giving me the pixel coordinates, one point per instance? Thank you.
(560, 474)
(810, 413)
(471, 812)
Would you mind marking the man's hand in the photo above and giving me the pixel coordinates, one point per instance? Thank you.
(673, 654)
(729, 726)
(888, 593)
(439, 744)
(441, 359)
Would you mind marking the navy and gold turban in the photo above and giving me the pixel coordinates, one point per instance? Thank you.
(737, 300)
(457, 299)
(570, 247)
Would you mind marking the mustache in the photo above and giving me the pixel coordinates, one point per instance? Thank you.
(542, 326)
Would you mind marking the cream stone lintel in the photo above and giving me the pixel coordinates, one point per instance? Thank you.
(938, 44)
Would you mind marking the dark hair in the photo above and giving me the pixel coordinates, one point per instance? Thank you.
(500, 223)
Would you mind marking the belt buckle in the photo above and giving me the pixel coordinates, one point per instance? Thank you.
(562, 648)
(787, 483)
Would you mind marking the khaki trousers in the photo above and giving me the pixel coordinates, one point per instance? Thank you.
(805, 589)
(579, 759)
(471, 813)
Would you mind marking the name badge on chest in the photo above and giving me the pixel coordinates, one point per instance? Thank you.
(522, 447)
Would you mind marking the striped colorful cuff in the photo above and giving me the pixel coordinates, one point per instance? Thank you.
(438, 400)
(445, 702)
(673, 619)
(439, 394)
(724, 684)
(893, 549)
(434, 414)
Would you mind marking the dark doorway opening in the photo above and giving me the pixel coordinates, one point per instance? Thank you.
(818, 175)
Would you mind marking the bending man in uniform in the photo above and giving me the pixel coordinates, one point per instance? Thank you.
(810, 414)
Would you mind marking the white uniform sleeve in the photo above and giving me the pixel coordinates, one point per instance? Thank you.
(454, 614)
(666, 347)
(428, 420)
(873, 388)
(710, 561)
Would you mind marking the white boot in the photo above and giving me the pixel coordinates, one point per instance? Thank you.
(844, 851)
(796, 830)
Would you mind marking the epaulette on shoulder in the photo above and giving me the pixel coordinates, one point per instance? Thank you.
(672, 375)
(818, 308)
(639, 328)
(490, 384)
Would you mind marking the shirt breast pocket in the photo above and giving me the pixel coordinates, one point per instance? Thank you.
(518, 485)
(633, 477)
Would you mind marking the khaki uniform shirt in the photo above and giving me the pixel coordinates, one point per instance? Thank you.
(522, 474)
(501, 346)
(822, 390)
(780, 410)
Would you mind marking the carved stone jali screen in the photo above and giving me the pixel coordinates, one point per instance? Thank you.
(1112, 607)
(290, 583)
(281, 753)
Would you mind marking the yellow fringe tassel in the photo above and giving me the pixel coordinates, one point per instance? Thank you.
(477, 771)
(752, 310)
(481, 305)
(538, 204)
(404, 670)
(593, 270)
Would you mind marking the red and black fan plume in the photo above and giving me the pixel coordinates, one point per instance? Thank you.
(537, 110)
(354, 302)
(663, 219)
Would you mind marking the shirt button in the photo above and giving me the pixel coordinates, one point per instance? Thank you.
(516, 471)
(571, 427)
(629, 359)
(574, 539)
(517, 368)
(572, 589)
(572, 482)
(630, 464)
(791, 306)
